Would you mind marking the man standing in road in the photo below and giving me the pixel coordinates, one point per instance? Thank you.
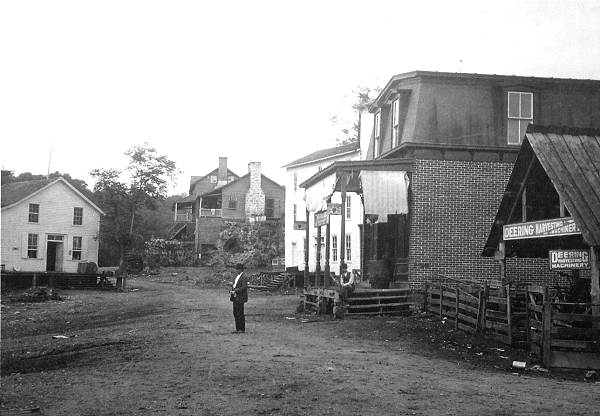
(239, 296)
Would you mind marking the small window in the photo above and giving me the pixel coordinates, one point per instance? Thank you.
(76, 252)
(348, 207)
(232, 204)
(55, 237)
(520, 115)
(395, 122)
(230, 178)
(77, 216)
(213, 178)
(269, 208)
(34, 212)
(295, 181)
(334, 248)
(295, 212)
(32, 246)
(348, 248)
(377, 127)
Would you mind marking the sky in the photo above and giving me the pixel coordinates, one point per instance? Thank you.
(81, 82)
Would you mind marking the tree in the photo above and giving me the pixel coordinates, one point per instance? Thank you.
(362, 96)
(148, 175)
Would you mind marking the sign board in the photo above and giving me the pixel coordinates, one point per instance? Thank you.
(540, 229)
(569, 259)
(300, 225)
(321, 218)
(334, 209)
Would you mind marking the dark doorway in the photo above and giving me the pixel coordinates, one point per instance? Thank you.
(54, 256)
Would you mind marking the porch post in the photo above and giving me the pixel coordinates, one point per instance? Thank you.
(595, 283)
(362, 241)
(306, 245)
(327, 253)
(318, 258)
(175, 214)
(343, 222)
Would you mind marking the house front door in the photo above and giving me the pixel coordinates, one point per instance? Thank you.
(54, 256)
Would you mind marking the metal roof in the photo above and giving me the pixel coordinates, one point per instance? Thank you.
(571, 159)
(325, 154)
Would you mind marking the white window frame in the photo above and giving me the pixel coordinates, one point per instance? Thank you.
(79, 217)
(395, 122)
(77, 248)
(34, 214)
(232, 198)
(33, 245)
(295, 181)
(377, 134)
(519, 117)
(334, 248)
(348, 247)
(348, 210)
(213, 179)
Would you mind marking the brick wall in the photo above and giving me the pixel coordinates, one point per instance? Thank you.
(453, 206)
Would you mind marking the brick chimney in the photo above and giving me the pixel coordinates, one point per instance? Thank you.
(222, 169)
(255, 197)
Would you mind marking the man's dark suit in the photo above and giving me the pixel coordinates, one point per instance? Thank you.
(239, 297)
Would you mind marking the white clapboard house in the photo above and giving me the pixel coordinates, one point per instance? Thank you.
(47, 225)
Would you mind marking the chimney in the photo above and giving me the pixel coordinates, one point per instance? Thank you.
(255, 197)
(222, 169)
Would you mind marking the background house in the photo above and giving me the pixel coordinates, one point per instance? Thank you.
(295, 213)
(48, 225)
(224, 196)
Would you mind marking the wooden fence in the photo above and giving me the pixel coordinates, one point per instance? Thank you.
(562, 334)
(473, 309)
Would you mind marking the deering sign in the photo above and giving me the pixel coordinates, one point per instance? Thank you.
(539, 229)
(569, 259)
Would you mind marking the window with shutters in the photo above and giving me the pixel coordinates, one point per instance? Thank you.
(32, 246)
(76, 252)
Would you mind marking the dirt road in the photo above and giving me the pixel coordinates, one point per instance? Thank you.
(168, 349)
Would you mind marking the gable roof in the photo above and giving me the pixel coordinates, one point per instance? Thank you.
(15, 192)
(571, 159)
(219, 189)
(195, 179)
(325, 154)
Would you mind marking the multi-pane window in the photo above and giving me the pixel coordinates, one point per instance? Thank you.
(76, 252)
(348, 207)
(34, 212)
(348, 248)
(395, 121)
(334, 248)
(295, 212)
(32, 246)
(377, 128)
(269, 208)
(77, 216)
(232, 203)
(295, 181)
(520, 114)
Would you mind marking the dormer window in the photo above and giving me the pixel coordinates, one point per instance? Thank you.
(213, 178)
(395, 122)
(520, 114)
(377, 128)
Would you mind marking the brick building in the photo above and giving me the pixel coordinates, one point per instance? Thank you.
(455, 137)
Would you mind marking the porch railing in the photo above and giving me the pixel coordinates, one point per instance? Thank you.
(210, 212)
(184, 217)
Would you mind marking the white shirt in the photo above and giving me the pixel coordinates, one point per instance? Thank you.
(236, 279)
